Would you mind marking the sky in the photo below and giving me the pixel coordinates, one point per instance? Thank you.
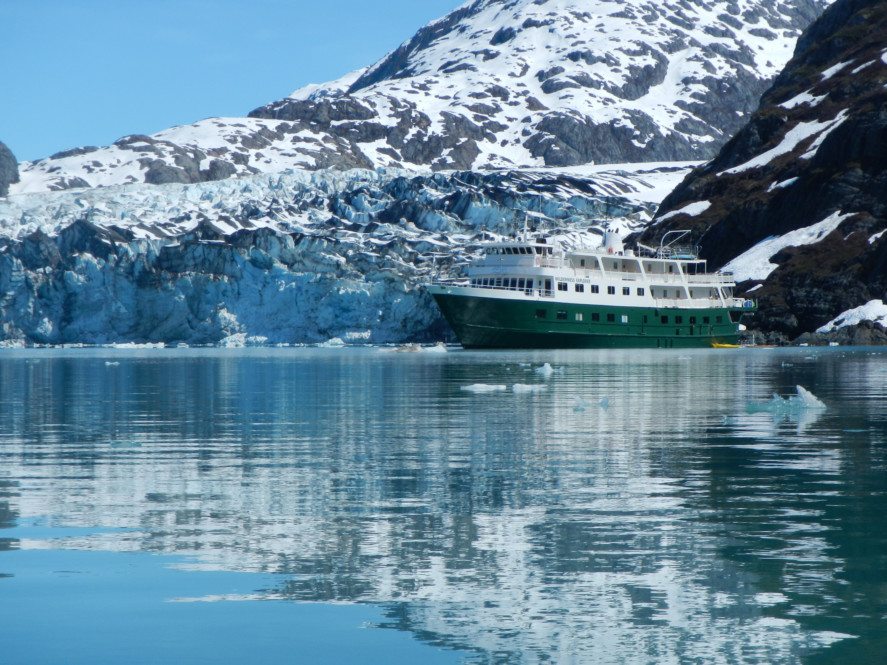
(86, 72)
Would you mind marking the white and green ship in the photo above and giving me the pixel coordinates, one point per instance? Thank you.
(538, 294)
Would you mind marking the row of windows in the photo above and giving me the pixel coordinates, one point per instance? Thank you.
(562, 315)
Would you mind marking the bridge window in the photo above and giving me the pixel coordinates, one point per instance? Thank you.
(640, 292)
(611, 290)
(580, 288)
(561, 286)
(626, 291)
(595, 288)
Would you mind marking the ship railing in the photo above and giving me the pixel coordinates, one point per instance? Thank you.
(529, 291)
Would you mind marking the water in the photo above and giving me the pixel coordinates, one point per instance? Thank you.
(332, 506)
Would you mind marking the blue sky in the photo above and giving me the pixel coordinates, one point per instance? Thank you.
(86, 72)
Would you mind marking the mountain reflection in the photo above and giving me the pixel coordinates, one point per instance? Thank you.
(671, 526)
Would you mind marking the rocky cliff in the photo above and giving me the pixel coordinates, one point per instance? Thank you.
(796, 203)
(494, 84)
(8, 169)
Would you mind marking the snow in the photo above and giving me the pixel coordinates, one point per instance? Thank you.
(755, 263)
(803, 98)
(834, 69)
(691, 209)
(873, 310)
(792, 139)
(782, 185)
(875, 237)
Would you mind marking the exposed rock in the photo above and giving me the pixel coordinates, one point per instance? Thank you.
(8, 169)
(816, 150)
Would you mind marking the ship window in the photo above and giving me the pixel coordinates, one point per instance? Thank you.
(665, 293)
(578, 316)
(679, 320)
(548, 285)
(640, 292)
(692, 320)
(498, 281)
(611, 318)
(677, 331)
(595, 316)
(615, 265)
(664, 319)
(538, 251)
(561, 315)
(624, 318)
(611, 290)
(561, 286)
(719, 319)
(595, 288)
(645, 318)
(580, 288)
(670, 268)
(513, 282)
(626, 291)
(706, 319)
(520, 283)
(541, 314)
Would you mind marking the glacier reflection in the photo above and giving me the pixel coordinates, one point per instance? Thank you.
(671, 526)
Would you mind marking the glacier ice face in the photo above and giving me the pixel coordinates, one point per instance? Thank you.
(293, 257)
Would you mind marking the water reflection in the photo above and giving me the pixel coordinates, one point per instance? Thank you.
(674, 525)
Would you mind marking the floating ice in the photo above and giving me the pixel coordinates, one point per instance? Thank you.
(484, 388)
(604, 402)
(109, 363)
(528, 388)
(334, 343)
(809, 400)
(545, 371)
(803, 401)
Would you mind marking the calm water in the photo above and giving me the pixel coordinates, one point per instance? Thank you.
(326, 506)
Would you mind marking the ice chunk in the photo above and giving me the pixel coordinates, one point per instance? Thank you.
(808, 399)
(484, 388)
(545, 371)
(334, 343)
(604, 403)
(528, 387)
(109, 363)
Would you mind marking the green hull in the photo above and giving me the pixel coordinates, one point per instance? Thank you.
(492, 323)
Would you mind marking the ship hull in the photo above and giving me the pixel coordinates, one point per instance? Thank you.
(506, 323)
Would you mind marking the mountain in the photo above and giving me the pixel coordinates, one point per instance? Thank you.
(295, 257)
(494, 84)
(796, 203)
(8, 169)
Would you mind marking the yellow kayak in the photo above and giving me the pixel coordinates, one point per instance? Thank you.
(719, 345)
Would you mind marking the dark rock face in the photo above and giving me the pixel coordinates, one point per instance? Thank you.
(8, 169)
(817, 146)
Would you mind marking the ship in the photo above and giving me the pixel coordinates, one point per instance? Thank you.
(537, 293)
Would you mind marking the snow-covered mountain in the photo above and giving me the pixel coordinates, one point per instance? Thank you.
(494, 84)
(285, 258)
(795, 204)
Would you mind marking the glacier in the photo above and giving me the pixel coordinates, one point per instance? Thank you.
(288, 258)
